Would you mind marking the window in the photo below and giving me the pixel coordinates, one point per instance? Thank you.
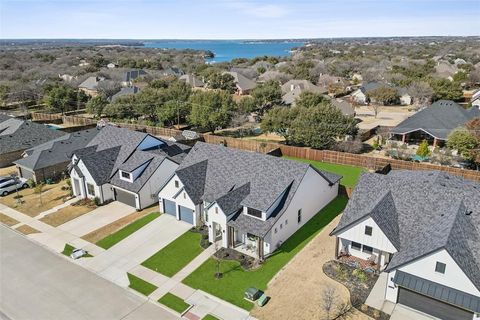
(177, 184)
(125, 175)
(254, 212)
(184, 195)
(206, 216)
(216, 210)
(90, 189)
(281, 226)
(275, 230)
(367, 249)
(299, 216)
(356, 246)
(440, 267)
(286, 221)
(368, 230)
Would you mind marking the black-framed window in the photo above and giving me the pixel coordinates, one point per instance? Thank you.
(299, 216)
(356, 246)
(367, 249)
(90, 189)
(254, 212)
(177, 184)
(368, 230)
(440, 267)
(125, 175)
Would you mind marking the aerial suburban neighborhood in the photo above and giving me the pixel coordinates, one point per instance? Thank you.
(258, 160)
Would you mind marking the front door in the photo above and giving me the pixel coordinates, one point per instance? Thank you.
(76, 187)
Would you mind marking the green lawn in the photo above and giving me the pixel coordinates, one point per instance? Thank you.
(235, 280)
(350, 173)
(69, 249)
(174, 302)
(121, 234)
(140, 285)
(210, 317)
(175, 255)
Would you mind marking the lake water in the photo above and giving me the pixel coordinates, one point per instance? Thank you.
(226, 50)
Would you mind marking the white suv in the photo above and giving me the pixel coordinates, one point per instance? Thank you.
(11, 185)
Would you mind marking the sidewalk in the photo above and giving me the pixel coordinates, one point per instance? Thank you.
(202, 302)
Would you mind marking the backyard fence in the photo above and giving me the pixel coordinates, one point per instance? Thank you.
(365, 161)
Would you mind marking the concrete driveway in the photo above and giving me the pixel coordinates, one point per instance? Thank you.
(97, 218)
(114, 263)
(38, 284)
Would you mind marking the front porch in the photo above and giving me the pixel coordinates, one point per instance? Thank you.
(358, 263)
(246, 243)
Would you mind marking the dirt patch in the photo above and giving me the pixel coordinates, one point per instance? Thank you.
(7, 171)
(26, 229)
(296, 291)
(104, 231)
(32, 203)
(6, 220)
(66, 214)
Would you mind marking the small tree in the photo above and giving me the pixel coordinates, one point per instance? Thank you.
(39, 189)
(464, 141)
(383, 95)
(423, 150)
(96, 105)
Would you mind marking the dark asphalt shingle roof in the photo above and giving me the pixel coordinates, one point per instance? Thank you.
(56, 151)
(125, 91)
(428, 212)
(18, 135)
(217, 173)
(441, 118)
(133, 74)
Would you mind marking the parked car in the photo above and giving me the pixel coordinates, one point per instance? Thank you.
(78, 253)
(4, 180)
(12, 185)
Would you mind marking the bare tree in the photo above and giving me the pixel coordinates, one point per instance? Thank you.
(421, 92)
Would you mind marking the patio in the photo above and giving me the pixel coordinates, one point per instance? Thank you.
(367, 265)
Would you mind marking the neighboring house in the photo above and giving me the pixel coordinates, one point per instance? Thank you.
(433, 123)
(67, 77)
(90, 85)
(475, 100)
(459, 61)
(344, 106)
(422, 229)
(327, 82)
(404, 97)
(50, 159)
(124, 165)
(192, 80)
(361, 94)
(18, 135)
(252, 202)
(243, 84)
(445, 70)
(124, 91)
(279, 76)
(131, 75)
(172, 71)
(112, 65)
(294, 88)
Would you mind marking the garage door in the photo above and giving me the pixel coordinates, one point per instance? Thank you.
(431, 306)
(186, 214)
(125, 197)
(169, 207)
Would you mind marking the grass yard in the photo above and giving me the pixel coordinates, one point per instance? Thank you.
(110, 240)
(140, 285)
(26, 229)
(235, 279)
(210, 317)
(113, 227)
(52, 195)
(174, 302)
(350, 173)
(6, 220)
(66, 214)
(176, 254)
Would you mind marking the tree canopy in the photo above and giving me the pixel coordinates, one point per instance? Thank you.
(267, 94)
(211, 109)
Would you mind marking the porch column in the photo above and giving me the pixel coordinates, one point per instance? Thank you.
(404, 136)
(434, 143)
(337, 243)
(260, 248)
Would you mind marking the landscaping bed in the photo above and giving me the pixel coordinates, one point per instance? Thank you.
(247, 262)
(112, 239)
(8, 221)
(176, 255)
(26, 229)
(140, 285)
(174, 303)
(358, 282)
(235, 279)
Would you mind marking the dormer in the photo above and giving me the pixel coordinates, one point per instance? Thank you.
(255, 213)
(125, 176)
(131, 176)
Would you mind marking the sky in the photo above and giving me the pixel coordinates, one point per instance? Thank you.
(236, 19)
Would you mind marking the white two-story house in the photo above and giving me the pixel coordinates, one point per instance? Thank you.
(124, 165)
(422, 229)
(251, 202)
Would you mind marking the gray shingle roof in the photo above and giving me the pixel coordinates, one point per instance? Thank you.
(18, 135)
(217, 173)
(192, 80)
(441, 118)
(101, 163)
(241, 81)
(133, 74)
(91, 83)
(56, 151)
(429, 209)
(125, 91)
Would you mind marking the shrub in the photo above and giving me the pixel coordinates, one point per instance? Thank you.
(360, 275)
(423, 150)
(31, 183)
(39, 188)
(97, 202)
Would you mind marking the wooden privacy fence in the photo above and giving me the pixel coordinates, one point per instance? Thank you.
(359, 160)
